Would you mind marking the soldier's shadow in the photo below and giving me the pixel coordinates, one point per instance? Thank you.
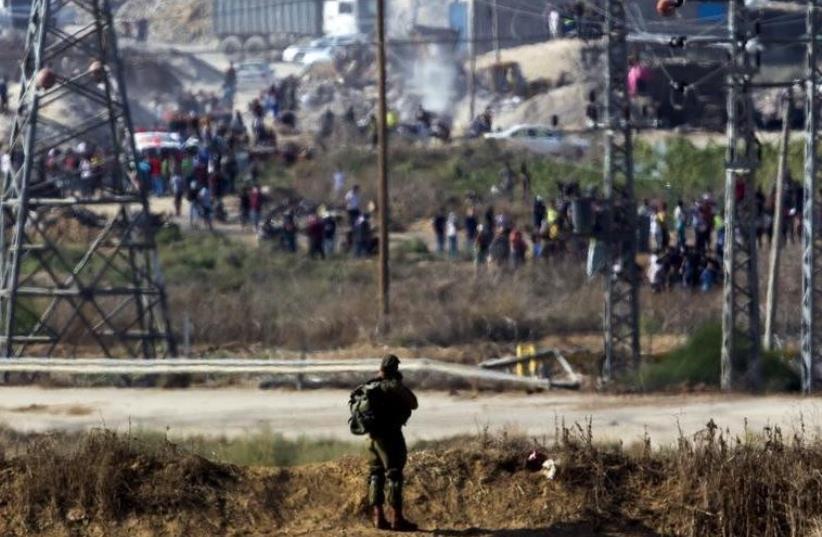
(557, 530)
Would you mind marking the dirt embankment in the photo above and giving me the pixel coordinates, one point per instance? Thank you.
(107, 487)
(712, 485)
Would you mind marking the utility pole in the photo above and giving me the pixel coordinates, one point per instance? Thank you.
(472, 52)
(741, 336)
(621, 318)
(103, 289)
(495, 30)
(811, 240)
(776, 240)
(382, 166)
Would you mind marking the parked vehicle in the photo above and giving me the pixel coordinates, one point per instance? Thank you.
(329, 48)
(320, 50)
(252, 25)
(297, 51)
(153, 141)
(15, 13)
(348, 17)
(541, 139)
(254, 73)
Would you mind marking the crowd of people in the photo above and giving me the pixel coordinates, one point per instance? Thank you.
(494, 239)
(684, 244)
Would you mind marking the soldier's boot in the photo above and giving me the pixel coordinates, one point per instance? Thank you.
(398, 522)
(376, 497)
(380, 522)
(396, 519)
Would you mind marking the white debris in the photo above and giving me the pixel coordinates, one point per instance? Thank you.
(550, 468)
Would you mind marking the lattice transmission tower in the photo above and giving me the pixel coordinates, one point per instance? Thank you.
(79, 272)
(811, 336)
(741, 333)
(621, 277)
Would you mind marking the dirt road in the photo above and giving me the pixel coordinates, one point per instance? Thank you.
(235, 412)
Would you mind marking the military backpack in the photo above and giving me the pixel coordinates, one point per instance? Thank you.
(364, 404)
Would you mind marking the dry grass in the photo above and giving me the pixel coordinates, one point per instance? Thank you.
(711, 484)
(242, 297)
(762, 484)
(108, 477)
(234, 294)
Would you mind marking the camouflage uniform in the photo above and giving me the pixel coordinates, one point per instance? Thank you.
(387, 446)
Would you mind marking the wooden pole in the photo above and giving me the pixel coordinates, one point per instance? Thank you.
(382, 165)
(472, 51)
(495, 24)
(776, 240)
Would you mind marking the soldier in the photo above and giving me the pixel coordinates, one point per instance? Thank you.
(388, 449)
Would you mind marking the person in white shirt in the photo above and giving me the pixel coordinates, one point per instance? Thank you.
(554, 24)
(352, 204)
(655, 273)
(680, 223)
(204, 199)
(451, 234)
(339, 183)
(655, 231)
(86, 175)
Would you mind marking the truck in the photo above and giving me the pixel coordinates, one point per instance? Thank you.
(16, 13)
(349, 17)
(255, 25)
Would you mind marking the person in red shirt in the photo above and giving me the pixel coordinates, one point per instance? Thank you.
(255, 205)
(518, 248)
(315, 230)
(156, 170)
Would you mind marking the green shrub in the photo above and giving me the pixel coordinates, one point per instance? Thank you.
(698, 363)
(168, 234)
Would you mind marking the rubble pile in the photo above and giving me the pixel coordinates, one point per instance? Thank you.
(171, 20)
(524, 88)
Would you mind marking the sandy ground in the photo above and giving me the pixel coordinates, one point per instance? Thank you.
(323, 413)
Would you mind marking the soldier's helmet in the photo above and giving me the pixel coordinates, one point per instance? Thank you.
(390, 364)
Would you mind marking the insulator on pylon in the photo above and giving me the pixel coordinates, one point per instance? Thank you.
(677, 42)
(46, 78)
(677, 95)
(666, 8)
(679, 87)
(97, 71)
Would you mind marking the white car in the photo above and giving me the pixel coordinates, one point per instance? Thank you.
(295, 53)
(331, 47)
(254, 73)
(541, 139)
(321, 50)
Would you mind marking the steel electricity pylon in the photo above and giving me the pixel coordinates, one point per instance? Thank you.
(622, 276)
(741, 336)
(79, 272)
(811, 233)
